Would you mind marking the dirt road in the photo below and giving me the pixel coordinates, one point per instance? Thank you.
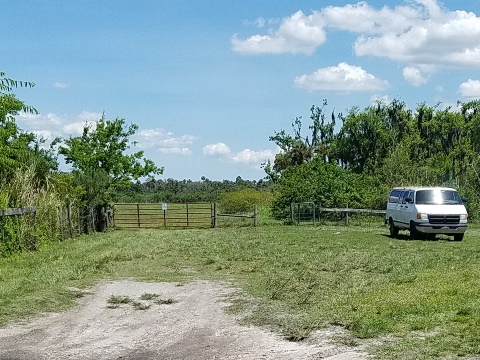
(181, 322)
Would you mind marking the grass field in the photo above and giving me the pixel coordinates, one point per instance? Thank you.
(419, 298)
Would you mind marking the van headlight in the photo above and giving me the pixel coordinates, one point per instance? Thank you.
(463, 216)
(422, 216)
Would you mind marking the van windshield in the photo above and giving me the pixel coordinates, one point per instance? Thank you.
(438, 196)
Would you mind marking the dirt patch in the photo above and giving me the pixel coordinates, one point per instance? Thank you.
(171, 322)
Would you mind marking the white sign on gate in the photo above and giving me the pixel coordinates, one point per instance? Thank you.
(164, 206)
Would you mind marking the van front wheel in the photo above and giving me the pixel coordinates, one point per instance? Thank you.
(413, 231)
(458, 237)
(393, 229)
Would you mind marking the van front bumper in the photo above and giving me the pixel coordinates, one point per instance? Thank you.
(427, 228)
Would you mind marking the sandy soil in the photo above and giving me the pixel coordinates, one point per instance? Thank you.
(194, 326)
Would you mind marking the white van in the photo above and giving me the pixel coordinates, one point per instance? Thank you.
(426, 211)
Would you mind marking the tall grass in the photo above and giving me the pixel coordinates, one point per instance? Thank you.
(421, 295)
(27, 232)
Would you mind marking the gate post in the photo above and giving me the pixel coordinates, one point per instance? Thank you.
(255, 215)
(214, 215)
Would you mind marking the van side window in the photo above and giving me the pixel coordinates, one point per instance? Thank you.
(409, 196)
(395, 194)
(401, 198)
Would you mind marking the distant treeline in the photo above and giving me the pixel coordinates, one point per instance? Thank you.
(171, 190)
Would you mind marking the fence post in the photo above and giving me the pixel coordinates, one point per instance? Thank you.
(79, 221)
(187, 213)
(346, 216)
(60, 221)
(70, 223)
(214, 214)
(164, 217)
(255, 215)
(313, 214)
(92, 215)
(291, 212)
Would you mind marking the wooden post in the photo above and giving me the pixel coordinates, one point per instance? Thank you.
(69, 216)
(92, 215)
(291, 212)
(79, 221)
(255, 215)
(60, 221)
(346, 216)
(107, 218)
(214, 215)
(35, 237)
(186, 204)
(313, 214)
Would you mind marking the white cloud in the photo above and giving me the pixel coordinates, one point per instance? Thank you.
(176, 151)
(414, 76)
(60, 85)
(419, 33)
(253, 158)
(342, 78)
(382, 99)
(470, 89)
(218, 149)
(245, 157)
(260, 22)
(296, 34)
(52, 125)
(164, 141)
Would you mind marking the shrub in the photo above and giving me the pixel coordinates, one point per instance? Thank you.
(327, 185)
(242, 201)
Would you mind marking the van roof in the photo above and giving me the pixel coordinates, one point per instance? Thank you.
(422, 188)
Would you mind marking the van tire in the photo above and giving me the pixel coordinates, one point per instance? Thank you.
(458, 237)
(413, 231)
(393, 229)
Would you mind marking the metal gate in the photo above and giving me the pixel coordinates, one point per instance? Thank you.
(302, 212)
(163, 215)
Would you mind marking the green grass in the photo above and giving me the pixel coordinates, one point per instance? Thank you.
(295, 279)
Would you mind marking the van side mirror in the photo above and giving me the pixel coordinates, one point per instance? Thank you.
(409, 200)
(464, 200)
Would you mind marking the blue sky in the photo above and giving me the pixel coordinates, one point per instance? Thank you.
(209, 81)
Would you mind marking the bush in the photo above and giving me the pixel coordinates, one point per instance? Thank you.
(327, 185)
(242, 201)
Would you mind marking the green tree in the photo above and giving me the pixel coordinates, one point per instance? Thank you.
(326, 184)
(297, 149)
(104, 147)
(18, 148)
(362, 142)
(100, 160)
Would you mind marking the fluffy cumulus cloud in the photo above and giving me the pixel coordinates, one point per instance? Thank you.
(414, 76)
(218, 149)
(419, 33)
(341, 78)
(164, 141)
(60, 85)
(253, 158)
(49, 126)
(298, 33)
(245, 157)
(470, 88)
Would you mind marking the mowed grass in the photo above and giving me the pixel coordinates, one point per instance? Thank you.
(420, 299)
